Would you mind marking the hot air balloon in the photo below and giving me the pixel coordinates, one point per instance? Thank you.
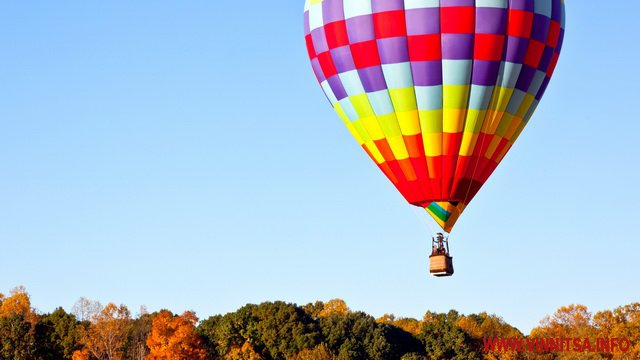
(435, 91)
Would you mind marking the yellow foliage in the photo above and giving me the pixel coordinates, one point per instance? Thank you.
(573, 321)
(470, 326)
(245, 352)
(334, 307)
(409, 325)
(18, 303)
(107, 334)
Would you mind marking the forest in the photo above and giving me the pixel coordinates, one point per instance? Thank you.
(278, 330)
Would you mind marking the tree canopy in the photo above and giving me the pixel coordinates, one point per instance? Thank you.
(283, 331)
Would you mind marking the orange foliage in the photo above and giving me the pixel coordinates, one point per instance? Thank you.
(246, 352)
(621, 323)
(18, 303)
(334, 307)
(174, 337)
(575, 321)
(81, 355)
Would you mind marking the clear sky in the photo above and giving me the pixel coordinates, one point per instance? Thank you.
(181, 155)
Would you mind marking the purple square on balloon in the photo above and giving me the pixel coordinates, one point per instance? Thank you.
(457, 46)
(423, 21)
(516, 49)
(319, 40)
(332, 10)
(337, 87)
(540, 29)
(360, 28)
(556, 10)
(450, 3)
(427, 73)
(307, 26)
(521, 5)
(526, 78)
(491, 20)
(372, 79)
(386, 5)
(485, 72)
(393, 50)
(343, 59)
(545, 60)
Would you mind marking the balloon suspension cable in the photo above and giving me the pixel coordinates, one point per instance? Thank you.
(427, 222)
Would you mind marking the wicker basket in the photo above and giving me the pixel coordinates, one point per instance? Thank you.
(441, 265)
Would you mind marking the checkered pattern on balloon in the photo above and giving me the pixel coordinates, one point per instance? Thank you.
(435, 91)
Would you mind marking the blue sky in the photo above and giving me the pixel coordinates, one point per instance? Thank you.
(181, 155)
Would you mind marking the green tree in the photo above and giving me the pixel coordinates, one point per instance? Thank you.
(314, 309)
(320, 352)
(17, 338)
(58, 335)
(356, 335)
(274, 330)
(443, 338)
(136, 346)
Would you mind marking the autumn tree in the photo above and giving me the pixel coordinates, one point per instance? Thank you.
(573, 321)
(409, 325)
(484, 326)
(569, 322)
(334, 307)
(18, 303)
(621, 323)
(174, 337)
(18, 333)
(244, 352)
(281, 331)
(107, 333)
(81, 355)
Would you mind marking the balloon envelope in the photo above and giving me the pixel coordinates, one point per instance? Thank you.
(435, 91)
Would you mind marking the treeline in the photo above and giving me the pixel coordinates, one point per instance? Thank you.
(318, 331)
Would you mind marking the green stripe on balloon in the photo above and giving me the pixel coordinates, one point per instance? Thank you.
(438, 211)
